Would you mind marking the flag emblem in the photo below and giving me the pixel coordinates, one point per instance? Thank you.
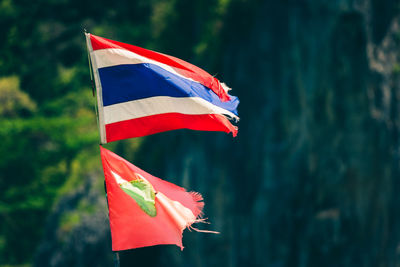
(140, 190)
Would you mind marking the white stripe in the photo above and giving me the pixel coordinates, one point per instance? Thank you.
(118, 178)
(159, 105)
(115, 56)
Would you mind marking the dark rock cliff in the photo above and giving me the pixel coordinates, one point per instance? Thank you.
(77, 231)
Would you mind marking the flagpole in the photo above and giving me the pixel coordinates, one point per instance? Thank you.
(94, 76)
(115, 253)
(116, 259)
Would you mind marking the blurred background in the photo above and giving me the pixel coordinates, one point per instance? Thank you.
(313, 178)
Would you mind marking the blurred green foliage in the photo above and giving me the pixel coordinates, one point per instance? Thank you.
(14, 102)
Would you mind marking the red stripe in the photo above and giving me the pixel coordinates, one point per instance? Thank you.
(182, 67)
(165, 122)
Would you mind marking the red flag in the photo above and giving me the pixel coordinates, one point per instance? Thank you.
(145, 210)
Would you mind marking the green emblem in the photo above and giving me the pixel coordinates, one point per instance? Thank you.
(143, 193)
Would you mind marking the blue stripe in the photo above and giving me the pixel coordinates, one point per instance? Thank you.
(124, 83)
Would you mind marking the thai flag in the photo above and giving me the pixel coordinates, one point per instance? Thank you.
(142, 92)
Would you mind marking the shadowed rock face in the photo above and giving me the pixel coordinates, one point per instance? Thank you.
(78, 232)
(317, 136)
(313, 177)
